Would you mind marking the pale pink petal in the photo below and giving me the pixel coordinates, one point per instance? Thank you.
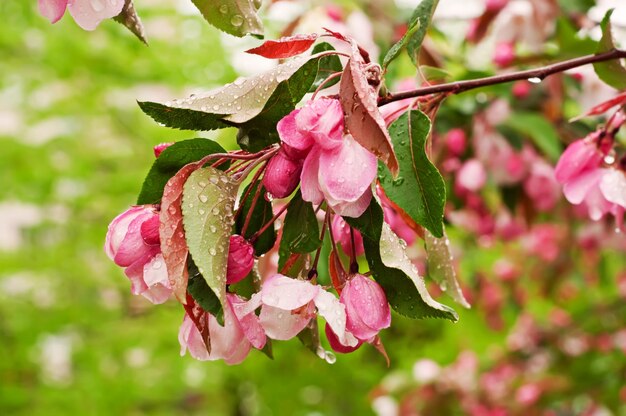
(157, 294)
(89, 13)
(352, 209)
(135, 273)
(190, 340)
(286, 293)
(283, 325)
(346, 172)
(132, 246)
(578, 156)
(155, 278)
(596, 203)
(52, 10)
(289, 133)
(309, 185)
(472, 175)
(322, 119)
(249, 321)
(613, 187)
(577, 188)
(329, 307)
(119, 228)
(228, 342)
(367, 308)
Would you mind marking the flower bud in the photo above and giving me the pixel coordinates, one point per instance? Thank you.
(504, 54)
(159, 148)
(341, 232)
(456, 141)
(282, 175)
(336, 345)
(367, 309)
(240, 259)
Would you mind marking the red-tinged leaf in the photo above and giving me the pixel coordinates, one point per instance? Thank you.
(199, 318)
(337, 272)
(363, 119)
(173, 244)
(284, 47)
(605, 106)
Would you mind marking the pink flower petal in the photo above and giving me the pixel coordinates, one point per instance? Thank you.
(286, 293)
(119, 228)
(288, 132)
(322, 119)
(249, 321)
(135, 273)
(309, 185)
(352, 209)
(346, 172)
(155, 278)
(52, 10)
(89, 13)
(329, 307)
(578, 187)
(228, 342)
(578, 156)
(150, 230)
(190, 340)
(613, 187)
(283, 325)
(133, 246)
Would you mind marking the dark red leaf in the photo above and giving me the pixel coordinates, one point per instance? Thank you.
(199, 318)
(363, 119)
(603, 107)
(337, 273)
(284, 47)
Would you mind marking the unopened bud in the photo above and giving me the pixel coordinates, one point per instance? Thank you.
(240, 259)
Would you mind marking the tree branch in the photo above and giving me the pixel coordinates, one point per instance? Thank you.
(540, 73)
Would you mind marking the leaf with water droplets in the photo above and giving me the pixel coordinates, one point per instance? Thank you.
(260, 216)
(129, 18)
(441, 267)
(404, 288)
(395, 50)
(202, 293)
(363, 119)
(423, 14)
(170, 161)
(612, 72)
(419, 190)
(242, 101)
(285, 47)
(235, 17)
(208, 201)
(300, 229)
(328, 65)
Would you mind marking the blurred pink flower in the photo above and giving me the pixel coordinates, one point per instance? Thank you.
(231, 342)
(367, 309)
(336, 169)
(504, 54)
(471, 177)
(87, 13)
(341, 232)
(456, 141)
(132, 241)
(240, 259)
(541, 186)
(543, 241)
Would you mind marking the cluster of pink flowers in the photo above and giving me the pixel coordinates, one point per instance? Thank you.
(87, 13)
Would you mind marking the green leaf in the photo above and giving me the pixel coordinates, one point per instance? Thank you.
(181, 118)
(235, 17)
(208, 201)
(419, 189)
(406, 293)
(170, 161)
(310, 337)
(539, 130)
(202, 294)
(441, 267)
(401, 44)
(424, 14)
(612, 72)
(300, 229)
(129, 18)
(570, 44)
(328, 65)
(261, 215)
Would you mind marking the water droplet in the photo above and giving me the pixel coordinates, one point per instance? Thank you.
(172, 210)
(236, 20)
(330, 357)
(215, 211)
(201, 212)
(203, 198)
(609, 159)
(202, 184)
(212, 251)
(534, 80)
(398, 181)
(223, 9)
(213, 228)
(214, 180)
(216, 107)
(97, 5)
(157, 265)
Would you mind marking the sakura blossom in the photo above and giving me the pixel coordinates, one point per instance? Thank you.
(87, 13)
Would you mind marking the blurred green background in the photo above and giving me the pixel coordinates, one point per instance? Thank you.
(74, 148)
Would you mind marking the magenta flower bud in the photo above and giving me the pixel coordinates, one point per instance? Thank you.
(504, 54)
(240, 259)
(336, 345)
(282, 175)
(159, 148)
(456, 141)
(367, 309)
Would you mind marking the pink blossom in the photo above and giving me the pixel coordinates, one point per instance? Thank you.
(336, 345)
(456, 141)
(231, 342)
(132, 242)
(521, 89)
(367, 309)
(543, 241)
(541, 186)
(87, 13)
(341, 232)
(240, 259)
(287, 306)
(336, 169)
(282, 174)
(580, 156)
(504, 54)
(159, 148)
(472, 176)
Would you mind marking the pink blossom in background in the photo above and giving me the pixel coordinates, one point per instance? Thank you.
(287, 306)
(341, 232)
(132, 242)
(471, 176)
(87, 13)
(240, 259)
(541, 186)
(456, 141)
(543, 241)
(521, 89)
(504, 54)
(367, 309)
(336, 168)
(231, 342)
